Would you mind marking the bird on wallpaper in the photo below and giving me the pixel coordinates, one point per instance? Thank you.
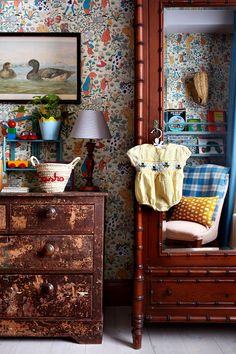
(188, 42)
(7, 72)
(105, 4)
(101, 63)
(179, 39)
(87, 6)
(18, 6)
(88, 83)
(103, 164)
(104, 85)
(78, 145)
(106, 36)
(52, 74)
(129, 32)
(90, 46)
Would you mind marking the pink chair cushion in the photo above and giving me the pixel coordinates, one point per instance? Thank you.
(185, 230)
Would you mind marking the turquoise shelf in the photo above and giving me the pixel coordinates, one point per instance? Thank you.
(20, 169)
(35, 151)
(32, 141)
(196, 133)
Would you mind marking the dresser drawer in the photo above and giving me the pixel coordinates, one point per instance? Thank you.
(203, 291)
(45, 296)
(47, 252)
(52, 218)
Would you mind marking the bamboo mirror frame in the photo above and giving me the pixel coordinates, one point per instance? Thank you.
(149, 105)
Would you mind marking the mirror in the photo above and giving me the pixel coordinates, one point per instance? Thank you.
(197, 51)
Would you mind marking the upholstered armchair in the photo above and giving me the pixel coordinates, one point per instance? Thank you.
(203, 182)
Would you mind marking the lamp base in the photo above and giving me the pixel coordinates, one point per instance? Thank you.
(89, 188)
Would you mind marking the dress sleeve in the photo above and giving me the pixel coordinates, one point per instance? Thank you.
(185, 153)
(135, 154)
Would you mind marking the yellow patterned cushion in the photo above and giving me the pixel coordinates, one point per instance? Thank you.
(197, 209)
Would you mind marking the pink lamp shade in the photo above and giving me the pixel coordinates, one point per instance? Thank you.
(90, 125)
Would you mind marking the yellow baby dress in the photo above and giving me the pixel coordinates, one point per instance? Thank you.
(159, 174)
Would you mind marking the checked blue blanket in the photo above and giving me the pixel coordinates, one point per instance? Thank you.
(205, 181)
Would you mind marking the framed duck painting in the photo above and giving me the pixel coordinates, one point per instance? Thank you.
(39, 64)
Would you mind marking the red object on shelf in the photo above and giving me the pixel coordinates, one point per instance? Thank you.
(11, 123)
(12, 165)
(22, 165)
(218, 120)
(24, 135)
(32, 136)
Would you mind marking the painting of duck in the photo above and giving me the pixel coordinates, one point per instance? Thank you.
(52, 74)
(7, 72)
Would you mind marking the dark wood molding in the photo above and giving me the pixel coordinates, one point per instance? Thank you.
(118, 292)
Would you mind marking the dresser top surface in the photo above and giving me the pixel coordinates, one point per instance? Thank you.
(59, 194)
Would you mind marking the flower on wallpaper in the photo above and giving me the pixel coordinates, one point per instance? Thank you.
(114, 143)
(112, 223)
(123, 168)
(116, 60)
(122, 249)
(127, 88)
(41, 5)
(127, 6)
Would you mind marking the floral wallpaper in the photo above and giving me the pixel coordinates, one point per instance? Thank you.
(189, 53)
(107, 46)
(186, 54)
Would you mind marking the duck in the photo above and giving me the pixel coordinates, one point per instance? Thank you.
(7, 72)
(51, 74)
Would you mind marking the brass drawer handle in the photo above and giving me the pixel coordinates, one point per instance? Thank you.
(51, 213)
(47, 288)
(48, 250)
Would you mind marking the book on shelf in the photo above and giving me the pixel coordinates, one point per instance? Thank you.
(194, 125)
(189, 141)
(218, 119)
(175, 119)
(211, 146)
(15, 190)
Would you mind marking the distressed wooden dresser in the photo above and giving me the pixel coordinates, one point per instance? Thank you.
(51, 265)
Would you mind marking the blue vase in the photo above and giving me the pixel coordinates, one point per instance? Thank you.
(49, 128)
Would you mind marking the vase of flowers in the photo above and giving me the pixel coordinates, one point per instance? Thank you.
(47, 112)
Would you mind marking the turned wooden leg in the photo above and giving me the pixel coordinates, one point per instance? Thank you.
(137, 331)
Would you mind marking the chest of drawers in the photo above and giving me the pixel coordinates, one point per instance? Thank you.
(51, 265)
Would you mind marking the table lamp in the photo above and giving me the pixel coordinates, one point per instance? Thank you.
(90, 125)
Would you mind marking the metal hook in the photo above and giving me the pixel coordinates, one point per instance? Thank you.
(154, 131)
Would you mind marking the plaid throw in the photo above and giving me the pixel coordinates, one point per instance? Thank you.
(205, 181)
